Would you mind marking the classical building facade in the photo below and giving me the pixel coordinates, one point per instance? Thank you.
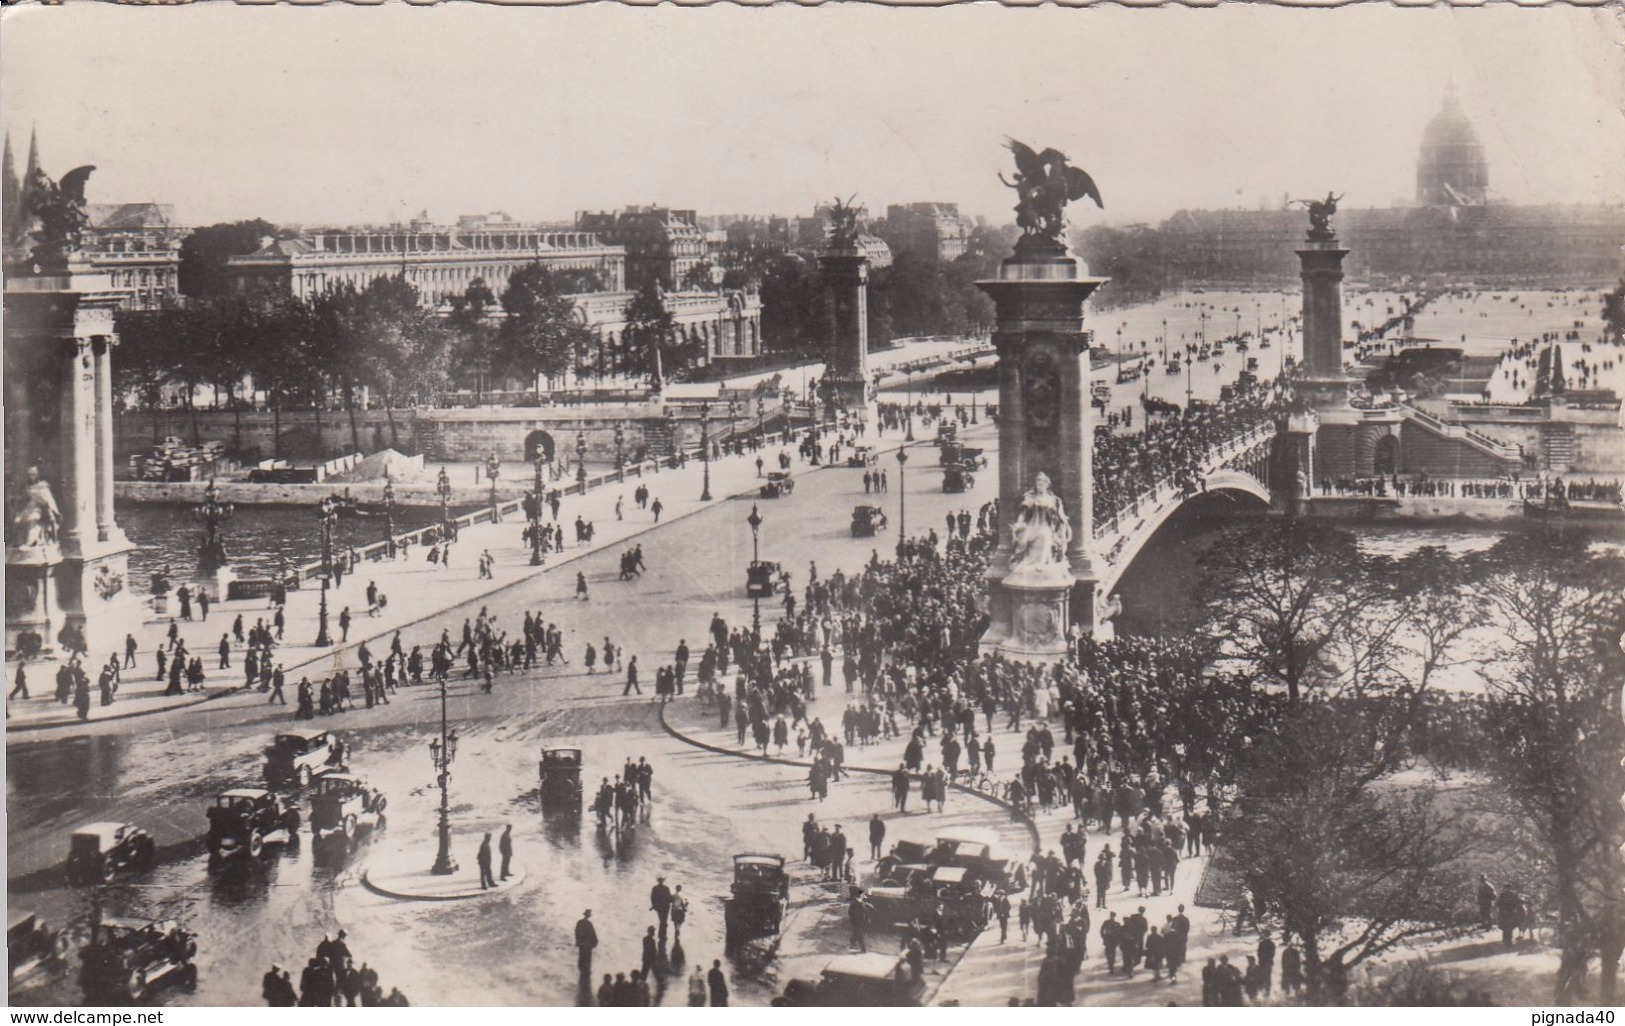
(441, 263)
(138, 246)
(927, 231)
(662, 245)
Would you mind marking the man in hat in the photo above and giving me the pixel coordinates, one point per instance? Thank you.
(505, 848)
(660, 903)
(586, 940)
(483, 857)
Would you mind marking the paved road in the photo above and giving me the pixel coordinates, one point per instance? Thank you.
(160, 771)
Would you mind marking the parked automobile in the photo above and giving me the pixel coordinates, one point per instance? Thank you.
(126, 958)
(561, 779)
(961, 896)
(97, 851)
(862, 456)
(32, 944)
(299, 756)
(757, 898)
(243, 820)
(871, 980)
(761, 579)
(867, 520)
(957, 478)
(343, 805)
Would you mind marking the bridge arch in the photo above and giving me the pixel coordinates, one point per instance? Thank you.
(1232, 483)
(538, 442)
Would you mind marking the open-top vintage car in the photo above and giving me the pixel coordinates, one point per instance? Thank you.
(761, 579)
(245, 819)
(125, 958)
(867, 520)
(299, 756)
(779, 482)
(757, 899)
(561, 779)
(97, 851)
(31, 944)
(343, 805)
(957, 477)
(870, 980)
(862, 456)
(961, 897)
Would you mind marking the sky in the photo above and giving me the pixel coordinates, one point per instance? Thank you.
(342, 114)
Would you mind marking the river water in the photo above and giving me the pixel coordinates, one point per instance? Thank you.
(260, 540)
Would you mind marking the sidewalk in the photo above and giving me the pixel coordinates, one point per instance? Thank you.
(416, 590)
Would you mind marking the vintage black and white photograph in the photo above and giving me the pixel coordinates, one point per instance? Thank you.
(520, 506)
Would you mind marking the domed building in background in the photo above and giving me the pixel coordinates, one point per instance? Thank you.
(1451, 171)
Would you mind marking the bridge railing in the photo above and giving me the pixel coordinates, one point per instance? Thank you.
(1165, 489)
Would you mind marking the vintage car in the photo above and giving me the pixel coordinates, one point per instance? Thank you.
(97, 851)
(871, 980)
(862, 456)
(343, 805)
(298, 756)
(964, 455)
(245, 819)
(957, 477)
(127, 957)
(779, 482)
(561, 779)
(867, 520)
(947, 431)
(761, 579)
(961, 896)
(32, 944)
(756, 902)
(974, 850)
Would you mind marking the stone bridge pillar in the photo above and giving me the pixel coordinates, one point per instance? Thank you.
(59, 415)
(1295, 476)
(1321, 259)
(845, 385)
(1045, 426)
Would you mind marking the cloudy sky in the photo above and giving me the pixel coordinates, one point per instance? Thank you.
(344, 114)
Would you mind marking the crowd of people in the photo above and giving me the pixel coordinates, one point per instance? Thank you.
(330, 979)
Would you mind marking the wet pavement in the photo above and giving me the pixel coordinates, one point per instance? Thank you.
(515, 948)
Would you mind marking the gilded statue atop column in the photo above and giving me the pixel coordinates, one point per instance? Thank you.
(1041, 533)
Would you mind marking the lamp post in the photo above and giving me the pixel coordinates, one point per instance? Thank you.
(443, 752)
(620, 452)
(493, 467)
(389, 513)
(212, 513)
(755, 522)
(442, 487)
(733, 411)
(902, 501)
(908, 435)
(327, 514)
(581, 461)
(705, 451)
(537, 501)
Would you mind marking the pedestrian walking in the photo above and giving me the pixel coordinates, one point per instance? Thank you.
(505, 849)
(717, 980)
(586, 941)
(484, 859)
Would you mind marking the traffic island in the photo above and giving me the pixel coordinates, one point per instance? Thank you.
(404, 875)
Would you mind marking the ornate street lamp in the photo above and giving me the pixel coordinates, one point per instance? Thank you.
(620, 452)
(671, 433)
(732, 412)
(212, 513)
(705, 450)
(902, 501)
(755, 522)
(493, 467)
(908, 436)
(389, 513)
(443, 752)
(327, 515)
(537, 501)
(442, 488)
(581, 460)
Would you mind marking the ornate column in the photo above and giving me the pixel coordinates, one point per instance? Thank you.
(106, 527)
(845, 271)
(1321, 261)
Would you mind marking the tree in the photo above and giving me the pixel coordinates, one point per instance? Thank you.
(1555, 729)
(793, 307)
(204, 253)
(474, 335)
(650, 336)
(699, 278)
(1348, 857)
(404, 349)
(540, 334)
(1283, 595)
